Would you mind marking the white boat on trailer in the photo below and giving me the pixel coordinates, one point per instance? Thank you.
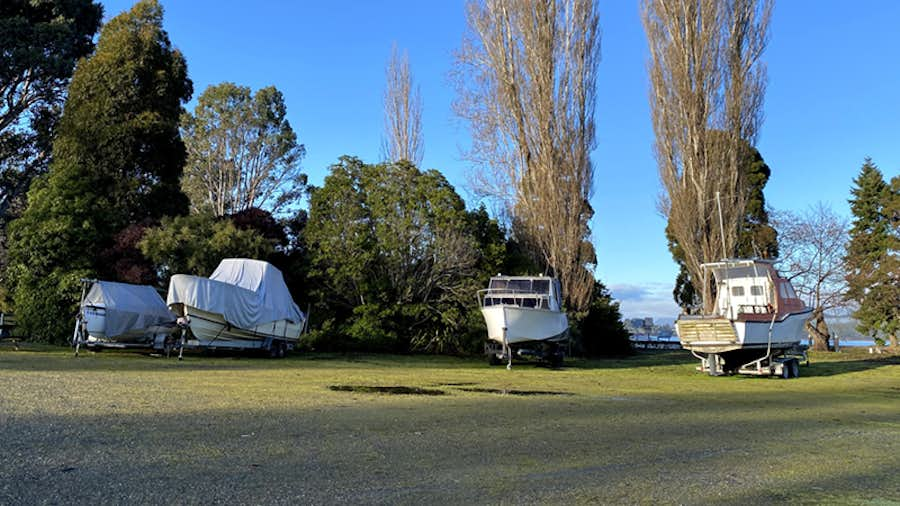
(757, 324)
(244, 305)
(524, 317)
(122, 316)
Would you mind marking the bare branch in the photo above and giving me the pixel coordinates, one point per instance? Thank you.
(707, 87)
(526, 77)
(402, 113)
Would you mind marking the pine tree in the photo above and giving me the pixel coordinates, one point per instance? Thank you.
(117, 160)
(871, 261)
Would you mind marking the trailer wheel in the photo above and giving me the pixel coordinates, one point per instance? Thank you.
(276, 349)
(795, 368)
(785, 370)
(493, 359)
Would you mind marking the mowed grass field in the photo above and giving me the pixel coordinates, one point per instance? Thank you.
(130, 428)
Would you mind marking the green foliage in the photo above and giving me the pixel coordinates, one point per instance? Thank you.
(117, 161)
(41, 42)
(394, 259)
(195, 244)
(873, 267)
(601, 332)
(242, 151)
(756, 238)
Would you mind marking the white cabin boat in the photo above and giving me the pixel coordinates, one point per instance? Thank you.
(521, 310)
(122, 315)
(244, 304)
(757, 313)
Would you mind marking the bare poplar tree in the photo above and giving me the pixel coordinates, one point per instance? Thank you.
(812, 247)
(526, 78)
(706, 97)
(402, 112)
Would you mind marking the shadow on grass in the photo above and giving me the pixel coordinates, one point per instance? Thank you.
(372, 453)
(40, 357)
(821, 364)
(836, 367)
(639, 359)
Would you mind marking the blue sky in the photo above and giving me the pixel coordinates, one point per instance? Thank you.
(833, 98)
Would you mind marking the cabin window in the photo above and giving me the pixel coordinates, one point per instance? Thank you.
(789, 290)
(541, 286)
(737, 291)
(498, 284)
(756, 290)
(520, 285)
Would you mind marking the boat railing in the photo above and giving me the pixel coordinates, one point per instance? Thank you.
(510, 296)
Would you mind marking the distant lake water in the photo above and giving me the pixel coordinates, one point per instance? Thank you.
(674, 339)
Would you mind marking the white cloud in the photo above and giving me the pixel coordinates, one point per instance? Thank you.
(645, 299)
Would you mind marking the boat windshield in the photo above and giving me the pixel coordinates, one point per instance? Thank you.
(523, 292)
(538, 286)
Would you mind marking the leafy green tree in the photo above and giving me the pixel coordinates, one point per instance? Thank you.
(195, 244)
(117, 160)
(756, 238)
(873, 272)
(242, 151)
(392, 257)
(40, 41)
(601, 331)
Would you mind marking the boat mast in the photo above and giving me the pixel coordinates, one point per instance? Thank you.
(725, 255)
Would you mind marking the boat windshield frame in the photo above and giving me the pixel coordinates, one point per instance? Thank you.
(526, 297)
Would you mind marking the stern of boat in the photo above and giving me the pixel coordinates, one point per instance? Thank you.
(707, 334)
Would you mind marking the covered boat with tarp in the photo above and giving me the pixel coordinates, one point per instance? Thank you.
(244, 304)
(122, 315)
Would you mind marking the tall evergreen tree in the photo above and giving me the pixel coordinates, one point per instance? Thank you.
(756, 238)
(117, 160)
(872, 265)
(39, 45)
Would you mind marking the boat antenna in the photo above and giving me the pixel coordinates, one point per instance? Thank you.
(724, 253)
(721, 223)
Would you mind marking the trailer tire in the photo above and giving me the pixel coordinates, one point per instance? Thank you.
(785, 370)
(493, 359)
(276, 349)
(795, 368)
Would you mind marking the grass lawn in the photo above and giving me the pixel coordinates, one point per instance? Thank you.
(129, 428)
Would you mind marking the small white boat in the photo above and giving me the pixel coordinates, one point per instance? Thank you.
(523, 310)
(757, 317)
(244, 304)
(122, 315)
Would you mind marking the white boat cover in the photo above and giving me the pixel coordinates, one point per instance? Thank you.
(246, 292)
(128, 307)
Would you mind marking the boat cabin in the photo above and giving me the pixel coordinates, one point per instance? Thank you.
(751, 289)
(539, 292)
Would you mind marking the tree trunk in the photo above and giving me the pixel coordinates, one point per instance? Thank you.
(818, 330)
(893, 340)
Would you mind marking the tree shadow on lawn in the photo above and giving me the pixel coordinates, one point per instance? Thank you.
(37, 357)
(638, 359)
(371, 454)
(834, 368)
(826, 365)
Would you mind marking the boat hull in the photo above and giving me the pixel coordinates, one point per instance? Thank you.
(514, 324)
(97, 335)
(211, 330)
(720, 335)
